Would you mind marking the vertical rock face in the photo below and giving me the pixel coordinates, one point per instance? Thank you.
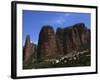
(60, 42)
(74, 37)
(83, 32)
(52, 45)
(89, 37)
(28, 51)
(71, 38)
(47, 47)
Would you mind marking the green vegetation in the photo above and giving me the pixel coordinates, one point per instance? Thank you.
(83, 59)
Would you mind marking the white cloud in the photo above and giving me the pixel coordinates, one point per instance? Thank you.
(60, 21)
(67, 14)
(35, 42)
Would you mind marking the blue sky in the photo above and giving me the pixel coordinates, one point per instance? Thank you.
(34, 20)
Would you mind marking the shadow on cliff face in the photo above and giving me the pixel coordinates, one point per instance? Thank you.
(67, 47)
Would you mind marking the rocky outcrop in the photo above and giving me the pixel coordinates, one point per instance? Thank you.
(89, 37)
(72, 37)
(53, 45)
(29, 51)
(83, 32)
(60, 40)
(47, 47)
